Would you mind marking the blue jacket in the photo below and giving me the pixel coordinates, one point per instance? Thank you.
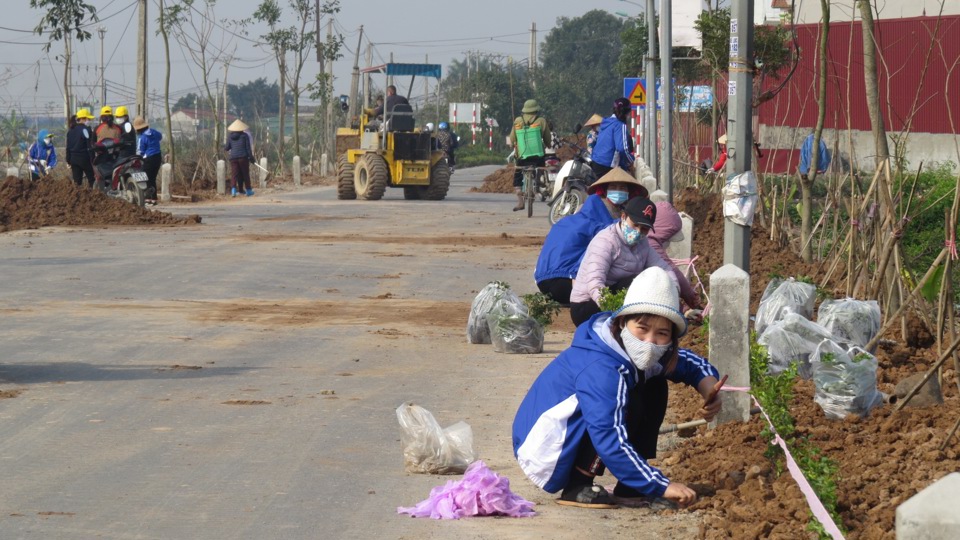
(614, 147)
(148, 142)
(40, 150)
(806, 155)
(568, 239)
(584, 390)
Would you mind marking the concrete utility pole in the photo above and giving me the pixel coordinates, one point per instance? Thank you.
(142, 61)
(666, 74)
(389, 82)
(367, 90)
(650, 78)
(329, 125)
(354, 81)
(103, 74)
(736, 238)
(226, 68)
(532, 61)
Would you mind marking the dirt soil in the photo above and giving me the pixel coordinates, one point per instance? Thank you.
(501, 180)
(30, 205)
(882, 460)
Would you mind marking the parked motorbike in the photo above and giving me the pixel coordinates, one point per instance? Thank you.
(122, 178)
(570, 185)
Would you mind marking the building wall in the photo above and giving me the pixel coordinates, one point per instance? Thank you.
(919, 80)
(809, 11)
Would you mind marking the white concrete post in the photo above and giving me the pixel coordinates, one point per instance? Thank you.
(680, 246)
(730, 338)
(932, 513)
(13, 171)
(263, 172)
(221, 177)
(296, 171)
(324, 165)
(166, 171)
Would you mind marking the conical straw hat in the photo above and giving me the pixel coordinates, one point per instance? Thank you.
(238, 125)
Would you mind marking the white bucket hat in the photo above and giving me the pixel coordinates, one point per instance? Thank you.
(654, 292)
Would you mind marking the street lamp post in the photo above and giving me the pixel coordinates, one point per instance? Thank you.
(103, 75)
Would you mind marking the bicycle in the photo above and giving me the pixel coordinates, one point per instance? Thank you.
(534, 182)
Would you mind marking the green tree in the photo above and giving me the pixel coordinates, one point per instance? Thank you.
(577, 78)
(63, 20)
(280, 41)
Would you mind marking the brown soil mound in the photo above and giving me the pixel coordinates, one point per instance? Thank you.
(766, 257)
(499, 181)
(30, 205)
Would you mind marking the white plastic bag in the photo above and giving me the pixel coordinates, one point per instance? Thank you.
(495, 295)
(740, 198)
(515, 333)
(429, 449)
(845, 380)
(790, 296)
(792, 340)
(856, 321)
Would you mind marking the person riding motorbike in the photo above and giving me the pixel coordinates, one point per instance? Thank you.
(148, 147)
(448, 142)
(614, 146)
(593, 124)
(128, 135)
(532, 152)
(42, 155)
(106, 129)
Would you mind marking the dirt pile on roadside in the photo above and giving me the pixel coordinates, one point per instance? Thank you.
(30, 205)
(499, 181)
(766, 257)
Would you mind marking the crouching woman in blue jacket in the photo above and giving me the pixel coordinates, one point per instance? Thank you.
(601, 402)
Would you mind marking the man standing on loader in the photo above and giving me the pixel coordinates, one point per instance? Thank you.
(529, 149)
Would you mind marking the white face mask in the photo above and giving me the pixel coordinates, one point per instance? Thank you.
(645, 355)
(48, 141)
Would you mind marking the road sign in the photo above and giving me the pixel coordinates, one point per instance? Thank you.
(635, 89)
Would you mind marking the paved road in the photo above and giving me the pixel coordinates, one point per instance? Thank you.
(238, 379)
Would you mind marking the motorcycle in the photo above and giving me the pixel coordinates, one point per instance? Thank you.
(570, 185)
(127, 180)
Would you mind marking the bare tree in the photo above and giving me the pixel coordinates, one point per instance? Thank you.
(870, 81)
(64, 19)
(163, 31)
(806, 184)
(280, 41)
(196, 31)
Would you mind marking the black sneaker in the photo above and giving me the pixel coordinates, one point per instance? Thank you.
(586, 496)
(631, 498)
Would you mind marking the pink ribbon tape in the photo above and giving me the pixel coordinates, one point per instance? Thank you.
(816, 507)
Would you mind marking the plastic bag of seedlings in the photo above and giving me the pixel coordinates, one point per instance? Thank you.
(855, 321)
(790, 296)
(845, 380)
(493, 295)
(428, 449)
(515, 333)
(792, 340)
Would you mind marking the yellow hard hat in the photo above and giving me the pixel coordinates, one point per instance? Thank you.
(106, 110)
(122, 111)
(84, 114)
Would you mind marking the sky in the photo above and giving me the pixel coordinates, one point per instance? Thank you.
(413, 31)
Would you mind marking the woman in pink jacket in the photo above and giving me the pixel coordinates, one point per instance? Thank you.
(614, 257)
(668, 224)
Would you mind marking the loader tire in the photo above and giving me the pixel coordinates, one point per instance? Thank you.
(345, 170)
(370, 177)
(439, 182)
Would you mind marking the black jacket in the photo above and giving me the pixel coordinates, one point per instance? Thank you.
(79, 141)
(238, 145)
(392, 101)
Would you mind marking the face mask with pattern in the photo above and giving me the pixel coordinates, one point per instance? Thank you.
(645, 355)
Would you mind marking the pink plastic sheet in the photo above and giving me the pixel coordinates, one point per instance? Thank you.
(481, 492)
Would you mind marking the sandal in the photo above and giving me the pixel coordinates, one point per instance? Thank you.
(586, 496)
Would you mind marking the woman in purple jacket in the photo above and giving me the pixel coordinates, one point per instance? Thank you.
(615, 256)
